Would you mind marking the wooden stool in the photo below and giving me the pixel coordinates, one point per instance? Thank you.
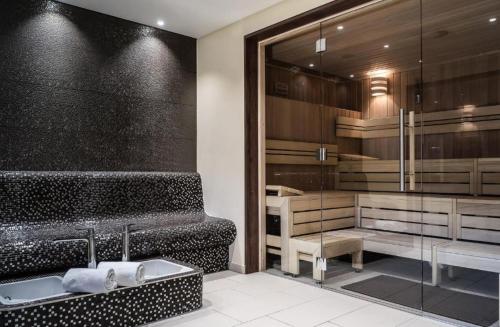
(308, 247)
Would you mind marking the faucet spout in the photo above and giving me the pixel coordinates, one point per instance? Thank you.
(126, 241)
(90, 240)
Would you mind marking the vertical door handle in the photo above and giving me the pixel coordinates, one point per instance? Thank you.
(322, 154)
(411, 135)
(402, 185)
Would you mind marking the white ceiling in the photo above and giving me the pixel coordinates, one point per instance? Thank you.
(193, 18)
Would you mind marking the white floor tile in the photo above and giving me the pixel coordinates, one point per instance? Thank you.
(263, 322)
(201, 318)
(263, 300)
(374, 315)
(319, 311)
(424, 322)
(260, 306)
(243, 278)
(222, 298)
(260, 284)
(219, 275)
(218, 284)
(307, 292)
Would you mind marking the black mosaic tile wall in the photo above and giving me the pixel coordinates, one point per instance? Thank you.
(85, 91)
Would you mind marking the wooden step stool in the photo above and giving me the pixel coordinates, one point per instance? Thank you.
(308, 247)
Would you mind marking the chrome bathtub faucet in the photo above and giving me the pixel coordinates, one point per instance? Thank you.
(90, 240)
(126, 232)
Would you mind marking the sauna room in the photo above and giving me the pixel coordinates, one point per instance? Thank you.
(382, 156)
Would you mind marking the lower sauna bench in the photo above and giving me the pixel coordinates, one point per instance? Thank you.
(382, 223)
(306, 215)
(312, 247)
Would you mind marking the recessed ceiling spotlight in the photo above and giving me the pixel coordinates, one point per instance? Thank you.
(340, 27)
(351, 76)
(493, 19)
(311, 65)
(160, 22)
(386, 46)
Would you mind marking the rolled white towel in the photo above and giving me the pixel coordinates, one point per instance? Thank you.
(127, 273)
(87, 280)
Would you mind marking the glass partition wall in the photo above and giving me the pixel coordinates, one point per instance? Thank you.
(383, 156)
(293, 119)
(374, 55)
(461, 154)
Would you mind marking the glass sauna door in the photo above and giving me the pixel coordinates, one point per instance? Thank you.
(461, 156)
(373, 227)
(293, 137)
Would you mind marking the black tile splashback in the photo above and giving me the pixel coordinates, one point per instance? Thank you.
(82, 91)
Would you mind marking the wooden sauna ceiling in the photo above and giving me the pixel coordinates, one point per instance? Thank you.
(453, 31)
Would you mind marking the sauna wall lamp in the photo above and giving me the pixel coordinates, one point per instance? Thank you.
(378, 86)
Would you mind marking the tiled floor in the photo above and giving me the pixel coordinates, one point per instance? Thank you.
(263, 300)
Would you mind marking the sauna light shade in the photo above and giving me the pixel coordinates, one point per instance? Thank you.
(379, 86)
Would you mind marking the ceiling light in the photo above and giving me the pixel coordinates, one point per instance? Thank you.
(493, 19)
(351, 76)
(160, 22)
(340, 27)
(379, 73)
(386, 46)
(311, 65)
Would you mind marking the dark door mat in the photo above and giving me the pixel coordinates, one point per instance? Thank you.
(473, 309)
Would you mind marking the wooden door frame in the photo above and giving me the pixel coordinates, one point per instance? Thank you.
(253, 72)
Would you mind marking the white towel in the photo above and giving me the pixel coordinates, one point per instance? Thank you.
(87, 280)
(127, 273)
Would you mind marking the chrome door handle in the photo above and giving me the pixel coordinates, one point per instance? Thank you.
(402, 145)
(411, 135)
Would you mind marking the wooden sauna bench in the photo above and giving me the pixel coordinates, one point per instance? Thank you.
(444, 230)
(461, 231)
(386, 223)
(472, 255)
(403, 225)
(314, 246)
(300, 215)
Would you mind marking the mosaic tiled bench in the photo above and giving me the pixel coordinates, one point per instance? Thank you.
(38, 207)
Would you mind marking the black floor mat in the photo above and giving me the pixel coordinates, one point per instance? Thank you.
(474, 309)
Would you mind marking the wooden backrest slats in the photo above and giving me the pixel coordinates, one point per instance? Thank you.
(306, 215)
(428, 216)
(298, 153)
(478, 220)
(488, 176)
(439, 122)
(448, 176)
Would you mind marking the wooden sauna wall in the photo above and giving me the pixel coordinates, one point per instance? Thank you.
(401, 94)
(296, 116)
(473, 82)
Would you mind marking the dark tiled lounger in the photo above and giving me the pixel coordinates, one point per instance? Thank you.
(38, 207)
